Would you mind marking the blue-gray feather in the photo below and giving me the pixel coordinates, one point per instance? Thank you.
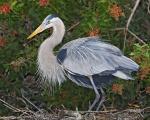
(61, 55)
(91, 56)
(81, 80)
(49, 17)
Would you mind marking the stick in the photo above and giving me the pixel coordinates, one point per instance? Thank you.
(9, 118)
(129, 21)
(148, 6)
(125, 38)
(30, 101)
(136, 37)
(132, 13)
(74, 25)
(10, 106)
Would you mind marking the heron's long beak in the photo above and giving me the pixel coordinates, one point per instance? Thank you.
(38, 30)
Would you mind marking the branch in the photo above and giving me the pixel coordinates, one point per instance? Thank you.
(128, 23)
(29, 101)
(148, 6)
(136, 37)
(10, 106)
(132, 13)
(74, 25)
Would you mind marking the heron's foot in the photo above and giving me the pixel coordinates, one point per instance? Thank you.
(94, 103)
(101, 103)
(102, 107)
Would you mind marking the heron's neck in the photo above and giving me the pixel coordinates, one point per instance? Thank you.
(47, 63)
(45, 54)
(51, 42)
(57, 35)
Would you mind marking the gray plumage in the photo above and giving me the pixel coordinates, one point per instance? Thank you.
(88, 62)
(91, 56)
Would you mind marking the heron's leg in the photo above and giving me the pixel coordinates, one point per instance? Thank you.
(96, 92)
(102, 99)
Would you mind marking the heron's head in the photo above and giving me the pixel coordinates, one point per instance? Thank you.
(47, 23)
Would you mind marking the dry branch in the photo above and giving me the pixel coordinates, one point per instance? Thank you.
(148, 6)
(129, 21)
(132, 13)
(73, 26)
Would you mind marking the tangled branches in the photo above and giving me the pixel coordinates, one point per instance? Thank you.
(40, 114)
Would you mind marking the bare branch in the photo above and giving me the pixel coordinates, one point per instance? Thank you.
(136, 37)
(29, 101)
(10, 106)
(73, 26)
(148, 6)
(125, 38)
(132, 13)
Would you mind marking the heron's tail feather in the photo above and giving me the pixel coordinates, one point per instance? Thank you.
(129, 64)
(123, 75)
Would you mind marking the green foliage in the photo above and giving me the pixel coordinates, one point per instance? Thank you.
(18, 58)
(141, 52)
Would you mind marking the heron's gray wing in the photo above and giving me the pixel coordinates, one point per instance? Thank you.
(88, 56)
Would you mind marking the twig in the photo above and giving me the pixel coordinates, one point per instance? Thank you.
(136, 37)
(74, 25)
(132, 13)
(147, 108)
(125, 39)
(10, 106)
(117, 29)
(109, 111)
(30, 101)
(148, 6)
(14, 109)
(129, 21)
(9, 118)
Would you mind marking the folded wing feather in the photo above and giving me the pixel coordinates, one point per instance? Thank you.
(89, 56)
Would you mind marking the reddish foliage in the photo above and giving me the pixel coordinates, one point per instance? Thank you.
(117, 88)
(139, 59)
(94, 32)
(144, 72)
(43, 3)
(147, 89)
(116, 11)
(2, 42)
(5, 8)
(14, 33)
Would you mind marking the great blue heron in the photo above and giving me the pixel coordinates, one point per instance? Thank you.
(88, 61)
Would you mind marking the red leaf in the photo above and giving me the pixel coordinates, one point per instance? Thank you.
(14, 33)
(43, 3)
(94, 32)
(117, 88)
(5, 8)
(144, 72)
(147, 89)
(116, 11)
(2, 42)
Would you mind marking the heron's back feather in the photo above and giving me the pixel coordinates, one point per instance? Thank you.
(90, 56)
